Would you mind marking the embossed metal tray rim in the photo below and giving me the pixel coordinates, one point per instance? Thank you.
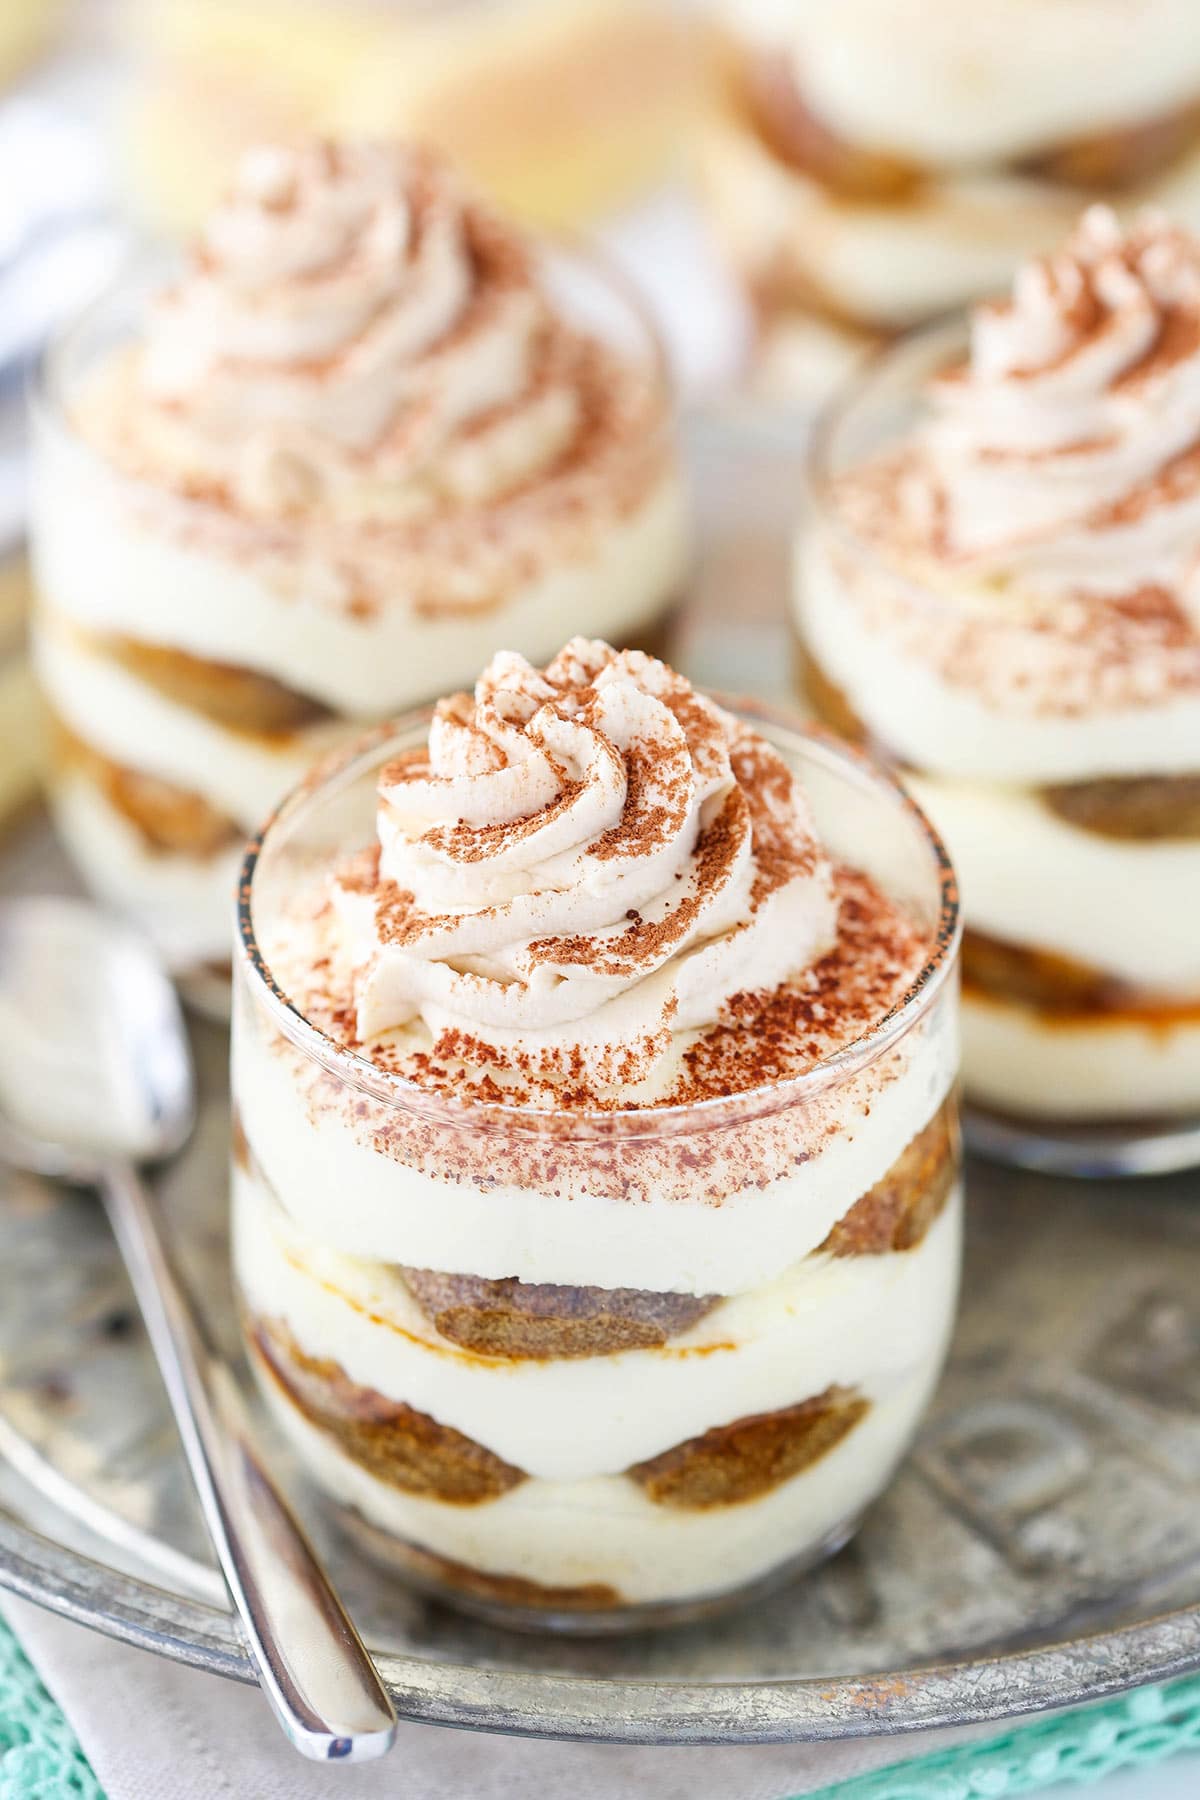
(536, 1704)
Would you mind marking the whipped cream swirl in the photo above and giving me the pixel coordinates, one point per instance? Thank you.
(355, 332)
(584, 866)
(1071, 435)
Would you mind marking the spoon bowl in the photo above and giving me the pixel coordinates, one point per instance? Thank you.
(94, 1057)
(95, 1079)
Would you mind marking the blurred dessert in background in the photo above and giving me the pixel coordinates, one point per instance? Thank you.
(596, 1192)
(558, 109)
(1000, 586)
(27, 28)
(874, 163)
(366, 434)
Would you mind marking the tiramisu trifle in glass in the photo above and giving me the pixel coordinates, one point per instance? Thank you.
(999, 587)
(596, 1188)
(873, 163)
(366, 434)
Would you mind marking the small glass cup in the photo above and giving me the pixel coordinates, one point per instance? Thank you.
(596, 1371)
(162, 621)
(1066, 1067)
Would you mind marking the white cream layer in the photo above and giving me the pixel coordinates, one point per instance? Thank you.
(944, 83)
(606, 1530)
(891, 266)
(925, 721)
(240, 774)
(280, 609)
(1031, 878)
(1021, 1061)
(343, 1193)
(184, 903)
(858, 1321)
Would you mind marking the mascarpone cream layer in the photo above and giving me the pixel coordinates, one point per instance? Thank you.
(183, 903)
(868, 637)
(341, 1191)
(1028, 1062)
(114, 561)
(952, 85)
(605, 1530)
(1031, 878)
(862, 1322)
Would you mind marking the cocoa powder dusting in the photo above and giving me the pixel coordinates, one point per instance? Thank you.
(643, 825)
(648, 943)
(775, 1036)
(1057, 652)
(762, 1038)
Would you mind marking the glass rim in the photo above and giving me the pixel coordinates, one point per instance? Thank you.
(48, 381)
(819, 478)
(358, 1071)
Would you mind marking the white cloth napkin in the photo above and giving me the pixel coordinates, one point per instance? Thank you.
(155, 1731)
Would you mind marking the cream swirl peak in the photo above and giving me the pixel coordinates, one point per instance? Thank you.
(582, 868)
(1071, 434)
(355, 333)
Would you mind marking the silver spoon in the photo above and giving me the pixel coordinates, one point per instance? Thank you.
(96, 1078)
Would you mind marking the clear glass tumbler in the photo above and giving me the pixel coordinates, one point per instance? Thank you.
(1075, 1059)
(741, 1306)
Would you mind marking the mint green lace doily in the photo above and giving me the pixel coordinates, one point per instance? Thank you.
(1131, 1732)
(40, 1758)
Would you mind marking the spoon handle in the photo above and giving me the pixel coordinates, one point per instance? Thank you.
(311, 1661)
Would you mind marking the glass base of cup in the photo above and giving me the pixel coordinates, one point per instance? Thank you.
(466, 1590)
(1096, 1151)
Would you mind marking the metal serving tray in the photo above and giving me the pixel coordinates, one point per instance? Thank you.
(1040, 1547)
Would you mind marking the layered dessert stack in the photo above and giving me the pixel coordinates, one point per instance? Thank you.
(596, 1204)
(1004, 597)
(877, 162)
